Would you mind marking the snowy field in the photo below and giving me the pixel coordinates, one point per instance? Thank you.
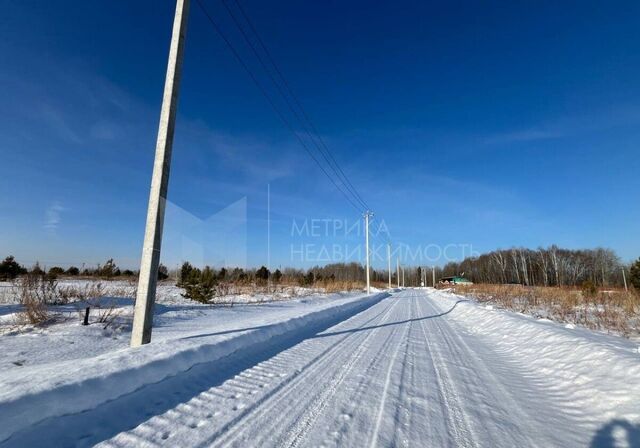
(110, 319)
(64, 338)
(417, 367)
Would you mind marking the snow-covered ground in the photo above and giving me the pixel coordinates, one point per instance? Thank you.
(418, 367)
(64, 339)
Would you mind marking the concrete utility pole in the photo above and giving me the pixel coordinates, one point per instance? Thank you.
(398, 270)
(433, 275)
(367, 214)
(624, 278)
(143, 314)
(389, 262)
(269, 237)
(403, 276)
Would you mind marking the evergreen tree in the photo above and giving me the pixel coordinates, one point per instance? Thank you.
(109, 269)
(163, 272)
(309, 278)
(56, 271)
(262, 273)
(36, 269)
(10, 269)
(238, 274)
(634, 276)
(185, 273)
(73, 271)
(200, 285)
(208, 276)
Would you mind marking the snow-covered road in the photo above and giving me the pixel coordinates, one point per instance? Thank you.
(411, 370)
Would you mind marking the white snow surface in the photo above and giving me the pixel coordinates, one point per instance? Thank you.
(418, 367)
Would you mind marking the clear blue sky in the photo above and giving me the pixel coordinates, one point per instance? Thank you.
(497, 124)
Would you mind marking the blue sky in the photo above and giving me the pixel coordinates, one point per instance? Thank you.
(492, 125)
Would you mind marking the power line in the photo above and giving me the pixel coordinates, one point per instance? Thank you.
(271, 102)
(326, 154)
(322, 146)
(385, 235)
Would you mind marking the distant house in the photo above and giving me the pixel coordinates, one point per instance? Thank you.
(455, 280)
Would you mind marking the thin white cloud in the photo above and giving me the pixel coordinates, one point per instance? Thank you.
(105, 130)
(53, 216)
(527, 135)
(247, 154)
(570, 125)
(58, 123)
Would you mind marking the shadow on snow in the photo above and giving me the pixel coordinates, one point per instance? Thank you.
(615, 434)
(93, 426)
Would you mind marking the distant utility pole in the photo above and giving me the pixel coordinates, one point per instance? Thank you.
(367, 214)
(389, 262)
(143, 313)
(403, 276)
(398, 270)
(433, 275)
(624, 278)
(269, 238)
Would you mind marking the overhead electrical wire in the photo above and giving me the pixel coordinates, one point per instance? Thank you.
(325, 155)
(305, 120)
(384, 236)
(344, 185)
(262, 90)
(271, 102)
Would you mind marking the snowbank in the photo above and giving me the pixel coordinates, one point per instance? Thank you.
(42, 391)
(586, 368)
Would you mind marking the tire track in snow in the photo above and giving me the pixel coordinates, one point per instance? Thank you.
(387, 382)
(309, 417)
(529, 431)
(357, 399)
(236, 428)
(319, 404)
(223, 403)
(458, 422)
(302, 354)
(482, 378)
(407, 389)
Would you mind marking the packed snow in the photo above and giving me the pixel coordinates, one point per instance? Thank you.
(414, 367)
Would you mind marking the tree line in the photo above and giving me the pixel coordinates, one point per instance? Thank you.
(11, 269)
(552, 266)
